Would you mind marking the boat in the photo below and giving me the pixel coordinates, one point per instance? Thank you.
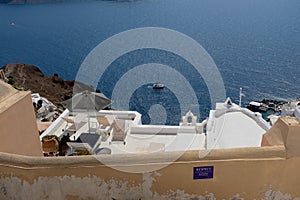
(158, 86)
(257, 106)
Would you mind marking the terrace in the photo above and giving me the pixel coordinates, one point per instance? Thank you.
(121, 132)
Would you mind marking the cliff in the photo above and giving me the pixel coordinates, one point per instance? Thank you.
(30, 77)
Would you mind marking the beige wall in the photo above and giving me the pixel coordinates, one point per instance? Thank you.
(286, 131)
(18, 129)
(252, 173)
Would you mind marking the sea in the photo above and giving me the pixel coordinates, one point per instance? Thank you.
(253, 45)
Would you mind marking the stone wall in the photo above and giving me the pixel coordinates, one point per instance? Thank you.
(248, 173)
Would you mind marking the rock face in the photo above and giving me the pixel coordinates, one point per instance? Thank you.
(29, 77)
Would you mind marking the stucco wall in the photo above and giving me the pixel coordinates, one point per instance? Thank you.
(250, 173)
(18, 129)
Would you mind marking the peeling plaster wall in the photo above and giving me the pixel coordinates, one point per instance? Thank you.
(264, 173)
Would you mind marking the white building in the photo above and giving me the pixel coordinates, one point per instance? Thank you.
(230, 126)
(121, 132)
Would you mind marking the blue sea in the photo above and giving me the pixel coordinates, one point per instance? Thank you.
(255, 45)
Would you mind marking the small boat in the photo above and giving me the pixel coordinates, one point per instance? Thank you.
(158, 86)
(12, 23)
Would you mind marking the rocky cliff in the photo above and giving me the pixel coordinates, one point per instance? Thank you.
(29, 77)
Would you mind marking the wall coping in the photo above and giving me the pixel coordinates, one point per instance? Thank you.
(253, 153)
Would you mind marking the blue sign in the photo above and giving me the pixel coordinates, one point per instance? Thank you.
(206, 172)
